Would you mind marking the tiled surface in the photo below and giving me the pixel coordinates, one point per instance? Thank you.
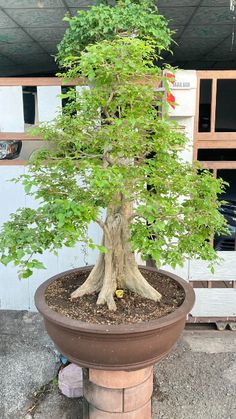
(138, 396)
(105, 399)
(143, 412)
(119, 379)
(130, 399)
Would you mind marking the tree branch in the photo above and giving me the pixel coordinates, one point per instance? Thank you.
(104, 227)
(100, 223)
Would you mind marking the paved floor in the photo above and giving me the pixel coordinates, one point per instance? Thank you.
(196, 381)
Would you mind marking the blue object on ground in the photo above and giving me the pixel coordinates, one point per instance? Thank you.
(63, 359)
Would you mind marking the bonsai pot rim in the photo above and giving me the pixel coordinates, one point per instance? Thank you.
(119, 329)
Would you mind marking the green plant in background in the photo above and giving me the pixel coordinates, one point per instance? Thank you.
(114, 149)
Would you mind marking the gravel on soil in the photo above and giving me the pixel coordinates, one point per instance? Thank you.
(132, 308)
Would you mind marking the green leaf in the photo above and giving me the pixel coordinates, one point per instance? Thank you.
(102, 249)
(26, 274)
(38, 265)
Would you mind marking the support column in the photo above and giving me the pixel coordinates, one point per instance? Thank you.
(118, 394)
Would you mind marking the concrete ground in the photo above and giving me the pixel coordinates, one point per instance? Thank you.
(196, 381)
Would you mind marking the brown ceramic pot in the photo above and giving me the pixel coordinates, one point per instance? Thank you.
(115, 347)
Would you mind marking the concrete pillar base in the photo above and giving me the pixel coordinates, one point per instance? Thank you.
(118, 394)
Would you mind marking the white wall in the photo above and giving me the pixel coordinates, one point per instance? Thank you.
(49, 102)
(18, 294)
(11, 109)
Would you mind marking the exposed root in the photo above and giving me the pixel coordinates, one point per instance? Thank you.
(138, 284)
(94, 281)
(104, 281)
(117, 268)
(106, 295)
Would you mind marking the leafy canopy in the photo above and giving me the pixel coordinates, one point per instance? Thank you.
(113, 140)
(127, 18)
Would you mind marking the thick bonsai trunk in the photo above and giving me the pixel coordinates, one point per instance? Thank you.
(116, 269)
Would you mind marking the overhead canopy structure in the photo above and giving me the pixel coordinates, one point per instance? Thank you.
(31, 29)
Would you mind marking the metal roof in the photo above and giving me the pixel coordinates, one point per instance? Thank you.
(31, 29)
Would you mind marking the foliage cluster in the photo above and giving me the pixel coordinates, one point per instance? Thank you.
(114, 143)
(105, 22)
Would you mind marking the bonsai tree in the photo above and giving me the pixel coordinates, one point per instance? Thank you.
(115, 148)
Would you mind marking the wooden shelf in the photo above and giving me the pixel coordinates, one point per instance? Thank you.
(13, 162)
(37, 81)
(23, 136)
(224, 137)
(219, 164)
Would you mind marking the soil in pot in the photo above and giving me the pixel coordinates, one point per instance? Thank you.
(131, 308)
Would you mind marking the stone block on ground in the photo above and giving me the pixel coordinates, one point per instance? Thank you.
(70, 381)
